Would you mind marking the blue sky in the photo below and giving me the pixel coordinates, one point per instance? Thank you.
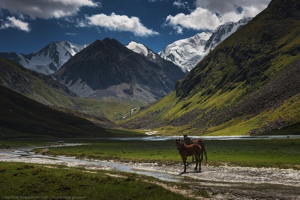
(26, 26)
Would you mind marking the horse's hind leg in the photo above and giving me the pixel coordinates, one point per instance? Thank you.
(197, 159)
(200, 160)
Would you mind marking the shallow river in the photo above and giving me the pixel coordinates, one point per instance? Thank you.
(231, 182)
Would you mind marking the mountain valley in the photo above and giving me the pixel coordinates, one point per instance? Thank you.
(241, 79)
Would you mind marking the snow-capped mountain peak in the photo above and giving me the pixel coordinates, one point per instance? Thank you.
(141, 49)
(50, 58)
(186, 53)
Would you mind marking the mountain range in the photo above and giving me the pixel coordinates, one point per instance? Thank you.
(107, 69)
(187, 53)
(248, 84)
(47, 60)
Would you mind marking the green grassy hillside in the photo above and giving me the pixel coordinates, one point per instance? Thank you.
(249, 84)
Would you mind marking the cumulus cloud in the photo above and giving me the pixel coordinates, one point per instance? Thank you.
(12, 22)
(209, 14)
(115, 22)
(230, 6)
(197, 20)
(46, 9)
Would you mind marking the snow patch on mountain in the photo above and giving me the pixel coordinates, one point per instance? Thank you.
(141, 49)
(187, 53)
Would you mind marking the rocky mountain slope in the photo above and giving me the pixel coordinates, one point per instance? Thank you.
(107, 69)
(186, 53)
(32, 84)
(47, 60)
(249, 84)
(47, 91)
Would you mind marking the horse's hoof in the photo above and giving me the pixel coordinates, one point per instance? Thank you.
(182, 173)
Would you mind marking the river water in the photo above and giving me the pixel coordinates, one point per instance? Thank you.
(163, 138)
(232, 182)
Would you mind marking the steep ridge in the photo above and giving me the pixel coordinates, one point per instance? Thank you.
(249, 84)
(107, 69)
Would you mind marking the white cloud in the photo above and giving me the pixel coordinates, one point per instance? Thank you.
(228, 6)
(197, 20)
(180, 4)
(209, 14)
(115, 22)
(12, 22)
(46, 9)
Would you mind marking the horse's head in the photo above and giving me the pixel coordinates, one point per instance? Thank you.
(178, 143)
(187, 140)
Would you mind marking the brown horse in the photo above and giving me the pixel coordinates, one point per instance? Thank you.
(190, 150)
(189, 141)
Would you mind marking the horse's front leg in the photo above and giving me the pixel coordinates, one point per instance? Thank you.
(184, 163)
(200, 160)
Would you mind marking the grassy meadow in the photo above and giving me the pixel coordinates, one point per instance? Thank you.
(29, 181)
(281, 153)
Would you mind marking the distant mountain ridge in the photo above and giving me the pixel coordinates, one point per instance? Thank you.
(47, 60)
(107, 69)
(186, 53)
